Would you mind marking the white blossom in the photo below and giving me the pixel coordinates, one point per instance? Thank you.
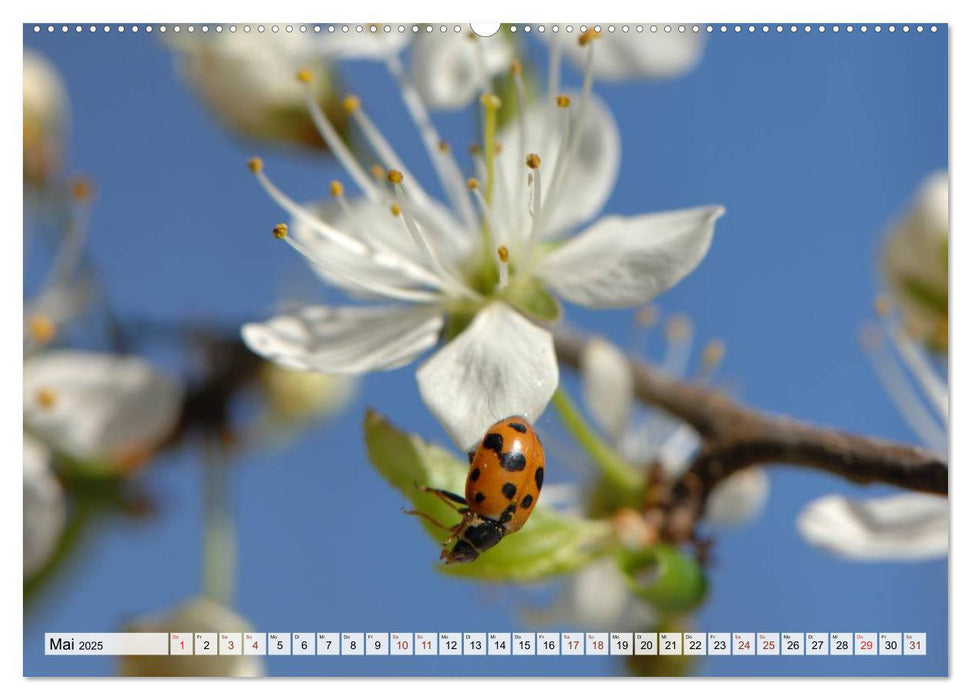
(45, 509)
(908, 526)
(902, 527)
(246, 81)
(451, 70)
(598, 597)
(626, 55)
(108, 411)
(914, 262)
(483, 262)
(301, 396)
(45, 118)
(608, 390)
(195, 615)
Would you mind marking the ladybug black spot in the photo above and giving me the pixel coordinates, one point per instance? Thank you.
(528, 501)
(507, 514)
(493, 441)
(479, 497)
(513, 461)
(518, 427)
(509, 490)
(474, 476)
(540, 473)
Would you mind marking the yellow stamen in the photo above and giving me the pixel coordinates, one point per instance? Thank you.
(646, 316)
(713, 353)
(475, 149)
(81, 188)
(305, 76)
(377, 172)
(532, 161)
(443, 147)
(280, 231)
(882, 305)
(563, 101)
(503, 252)
(472, 183)
(491, 101)
(255, 165)
(678, 329)
(395, 177)
(516, 68)
(395, 209)
(351, 104)
(46, 398)
(588, 36)
(41, 328)
(336, 188)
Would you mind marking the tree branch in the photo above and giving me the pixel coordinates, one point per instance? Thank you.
(735, 436)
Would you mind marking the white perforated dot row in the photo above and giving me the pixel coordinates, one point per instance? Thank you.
(445, 28)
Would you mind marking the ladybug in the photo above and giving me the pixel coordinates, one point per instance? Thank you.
(505, 478)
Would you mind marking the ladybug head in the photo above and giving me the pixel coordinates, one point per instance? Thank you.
(476, 536)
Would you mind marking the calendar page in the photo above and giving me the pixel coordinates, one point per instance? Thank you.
(561, 349)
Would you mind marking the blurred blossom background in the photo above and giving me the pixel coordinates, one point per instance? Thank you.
(822, 148)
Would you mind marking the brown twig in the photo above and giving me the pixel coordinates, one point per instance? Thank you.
(735, 436)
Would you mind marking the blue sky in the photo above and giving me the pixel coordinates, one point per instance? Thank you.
(813, 143)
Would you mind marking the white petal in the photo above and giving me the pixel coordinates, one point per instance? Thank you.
(249, 80)
(591, 171)
(373, 224)
(620, 56)
(44, 507)
(626, 261)
(196, 615)
(346, 340)
(501, 365)
(447, 70)
(100, 406)
(896, 528)
(608, 386)
(351, 45)
(915, 258)
(598, 597)
(738, 498)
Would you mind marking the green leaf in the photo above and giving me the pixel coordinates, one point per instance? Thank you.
(407, 461)
(666, 577)
(549, 544)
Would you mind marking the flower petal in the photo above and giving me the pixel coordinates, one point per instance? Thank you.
(597, 597)
(590, 175)
(447, 70)
(903, 527)
(373, 224)
(626, 261)
(501, 365)
(198, 615)
(45, 510)
(97, 406)
(248, 81)
(346, 340)
(738, 498)
(636, 55)
(608, 386)
(366, 45)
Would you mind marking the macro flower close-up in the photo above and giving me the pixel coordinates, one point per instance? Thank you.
(370, 350)
(481, 270)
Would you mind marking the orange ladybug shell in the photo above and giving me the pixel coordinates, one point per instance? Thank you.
(506, 473)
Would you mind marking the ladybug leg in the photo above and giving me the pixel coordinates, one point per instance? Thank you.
(429, 518)
(449, 498)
